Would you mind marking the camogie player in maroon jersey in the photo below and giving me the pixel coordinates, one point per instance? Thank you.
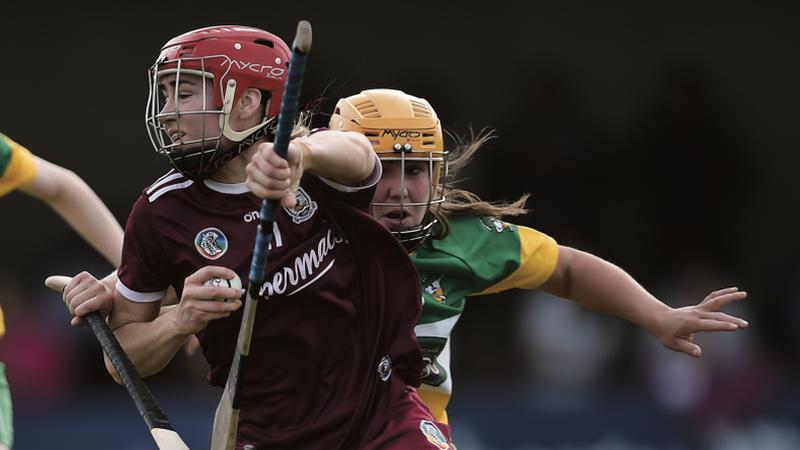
(333, 360)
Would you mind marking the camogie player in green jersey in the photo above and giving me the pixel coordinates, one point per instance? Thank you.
(71, 198)
(462, 246)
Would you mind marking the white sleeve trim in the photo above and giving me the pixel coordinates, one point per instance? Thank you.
(139, 297)
(370, 181)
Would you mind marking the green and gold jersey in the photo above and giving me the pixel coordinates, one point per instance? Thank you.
(481, 255)
(17, 167)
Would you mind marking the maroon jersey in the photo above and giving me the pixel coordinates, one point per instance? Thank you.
(333, 349)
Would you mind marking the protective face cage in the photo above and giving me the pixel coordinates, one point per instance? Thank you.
(198, 157)
(437, 164)
(404, 128)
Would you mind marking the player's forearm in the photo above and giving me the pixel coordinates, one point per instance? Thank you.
(602, 286)
(344, 157)
(149, 345)
(78, 204)
(84, 210)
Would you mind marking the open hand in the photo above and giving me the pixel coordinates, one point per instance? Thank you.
(678, 325)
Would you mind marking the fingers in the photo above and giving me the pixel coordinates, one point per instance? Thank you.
(723, 317)
(85, 294)
(262, 176)
(193, 321)
(269, 176)
(193, 314)
(211, 294)
(205, 306)
(201, 303)
(712, 325)
(204, 311)
(684, 345)
(682, 323)
(78, 284)
(289, 200)
(215, 304)
(195, 286)
(726, 295)
(207, 293)
(691, 322)
(208, 272)
(191, 346)
(719, 292)
(713, 303)
(91, 300)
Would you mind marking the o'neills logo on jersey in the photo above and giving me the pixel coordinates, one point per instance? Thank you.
(304, 209)
(306, 268)
(402, 134)
(433, 434)
(211, 243)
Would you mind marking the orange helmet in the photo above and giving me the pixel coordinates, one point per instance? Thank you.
(402, 128)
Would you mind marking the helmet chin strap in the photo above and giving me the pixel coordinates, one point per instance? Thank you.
(225, 118)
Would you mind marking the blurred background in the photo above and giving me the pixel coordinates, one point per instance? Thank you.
(661, 136)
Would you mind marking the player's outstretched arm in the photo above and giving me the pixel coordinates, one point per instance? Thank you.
(78, 204)
(599, 285)
(341, 156)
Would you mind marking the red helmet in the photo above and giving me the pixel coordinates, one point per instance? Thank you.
(234, 58)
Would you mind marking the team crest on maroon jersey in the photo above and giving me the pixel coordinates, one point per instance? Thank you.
(211, 243)
(304, 209)
(434, 434)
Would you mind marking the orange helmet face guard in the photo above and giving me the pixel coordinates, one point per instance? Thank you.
(401, 128)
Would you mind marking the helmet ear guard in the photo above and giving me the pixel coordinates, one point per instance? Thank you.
(402, 128)
(225, 117)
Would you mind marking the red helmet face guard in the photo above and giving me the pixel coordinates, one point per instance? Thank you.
(229, 60)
